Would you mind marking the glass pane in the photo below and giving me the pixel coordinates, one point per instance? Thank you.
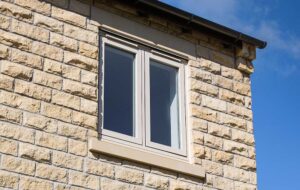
(119, 91)
(164, 104)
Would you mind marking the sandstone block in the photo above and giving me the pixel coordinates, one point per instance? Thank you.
(100, 168)
(4, 22)
(79, 89)
(72, 131)
(16, 132)
(65, 99)
(129, 176)
(81, 61)
(231, 121)
(242, 88)
(108, 184)
(156, 182)
(8, 147)
(18, 165)
(202, 152)
(239, 111)
(15, 11)
(84, 180)
(243, 137)
(20, 102)
(16, 70)
(8, 180)
(34, 153)
(244, 163)
(179, 185)
(35, 5)
(222, 157)
(223, 82)
(201, 75)
(67, 161)
(40, 122)
(68, 16)
(195, 98)
(89, 78)
(231, 73)
(15, 40)
(6, 82)
(27, 59)
(32, 90)
(9, 114)
(71, 72)
(213, 142)
(30, 31)
(85, 120)
(223, 183)
(51, 173)
(213, 103)
(53, 67)
(199, 124)
(27, 183)
(78, 148)
(219, 130)
(243, 186)
(89, 107)
(51, 141)
(203, 113)
(198, 137)
(81, 34)
(207, 65)
(48, 23)
(231, 97)
(48, 51)
(88, 50)
(236, 174)
(63, 42)
(204, 88)
(47, 79)
(234, 147)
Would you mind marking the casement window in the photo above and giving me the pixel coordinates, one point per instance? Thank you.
(142, 95)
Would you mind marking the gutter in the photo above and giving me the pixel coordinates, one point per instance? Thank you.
(199, 21)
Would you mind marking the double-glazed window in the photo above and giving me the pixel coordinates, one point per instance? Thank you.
(143, 97)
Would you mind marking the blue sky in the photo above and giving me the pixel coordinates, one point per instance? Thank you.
(275, 83)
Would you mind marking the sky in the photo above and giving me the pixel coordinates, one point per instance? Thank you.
(275, 82)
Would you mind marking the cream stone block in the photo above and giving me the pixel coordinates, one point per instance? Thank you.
(232, 121)
(219, 130)
(195, 98)
(46, 79)
(204, 88)
(199, 124)
(129, 175)
(236, 174)
(30, 31)
(222, 157)
(202, 152)
(8, 180)
(239, 111)
(48, 51)
(223, 183)
(72, 131)
(203, 113)
(51, 173)
(27, 183)
(20, 102)
(4, 50)
(85, 120)
(108, 184)
(179, 185)
(68, 16)
(156, 182)
(65, 99)
(34, 153)
(232, 97)
(213, 103)
(89, 107)
(32, 90)
(71, 72)
(16, 70)
(78, 148)
(232, 73)
(236, 148)
(243, 137)
(80, 61)
(64, 160)
(15, 11)
(201, 75)
(81, 34)
(4, 22)
(51, 141)
(100, 168)
(39, 122)
(207, 65)
(89, 78)
(15, 40)
(223, 82)
(48, 23)
(84, 180)
(67, 187)
(53, 67)
(244, 186)
(35, 5)
(18, 165)
(56, 112)
(80, 89)
(63, 42)
(88, 50)
(8, 147)
(244, 163)
(242, 88)
(27, 59)
(6, 82)
(213, 142)
(16, 132)
(9, 114)
(198, 137)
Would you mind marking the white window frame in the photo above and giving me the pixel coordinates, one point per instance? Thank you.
(142, 98)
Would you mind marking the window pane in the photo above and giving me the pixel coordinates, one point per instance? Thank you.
(119, 91)
(164, 104)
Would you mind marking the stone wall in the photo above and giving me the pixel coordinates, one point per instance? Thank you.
(48, 105)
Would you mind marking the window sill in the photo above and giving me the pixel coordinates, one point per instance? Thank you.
(144, 157)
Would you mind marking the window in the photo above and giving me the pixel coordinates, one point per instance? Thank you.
(143, 99)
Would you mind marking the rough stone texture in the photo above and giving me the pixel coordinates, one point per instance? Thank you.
(49, 103)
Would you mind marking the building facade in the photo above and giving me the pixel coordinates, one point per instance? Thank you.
(117, 95)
